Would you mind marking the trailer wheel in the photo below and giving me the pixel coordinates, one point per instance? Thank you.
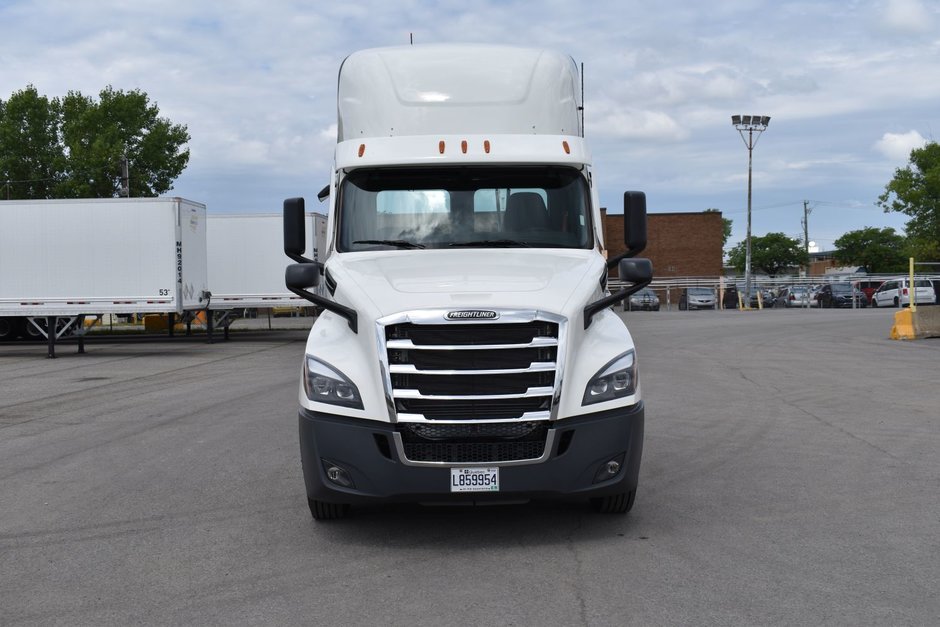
(9, 328)
(30, 331)
(327, 511)
(616, 504)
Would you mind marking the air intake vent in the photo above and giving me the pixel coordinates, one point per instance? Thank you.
(473, 371)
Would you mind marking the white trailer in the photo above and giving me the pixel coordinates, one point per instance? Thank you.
(243, 272)
(61, 260)
(246, 264)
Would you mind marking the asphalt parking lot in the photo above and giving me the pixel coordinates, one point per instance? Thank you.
(791, 476)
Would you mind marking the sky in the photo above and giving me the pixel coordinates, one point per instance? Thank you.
(851, 87)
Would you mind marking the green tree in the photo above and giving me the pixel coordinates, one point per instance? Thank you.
(915, 191)
(726, 226)
(773, 253)
(879, 250)
(79, 148)
(31, 156)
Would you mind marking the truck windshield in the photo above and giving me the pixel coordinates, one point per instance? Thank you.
(453, 207)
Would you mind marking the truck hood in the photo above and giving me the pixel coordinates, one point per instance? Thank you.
(395, 281)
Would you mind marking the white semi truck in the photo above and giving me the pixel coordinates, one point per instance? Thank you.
(61, 260)
(467, 351)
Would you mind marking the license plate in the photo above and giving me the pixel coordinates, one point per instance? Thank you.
(474, 479)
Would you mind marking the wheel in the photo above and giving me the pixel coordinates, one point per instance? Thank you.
(327, 511)
(10, 328)
(30, 330)
(897, 303)
(656, 308)
(616, 504)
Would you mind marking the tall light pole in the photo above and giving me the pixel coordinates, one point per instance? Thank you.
(750, 124)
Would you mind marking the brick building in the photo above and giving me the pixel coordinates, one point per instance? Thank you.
(678, 244)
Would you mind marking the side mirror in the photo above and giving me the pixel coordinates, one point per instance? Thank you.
(300, 276)
(636, 270)
(294, 230)
(634, 222)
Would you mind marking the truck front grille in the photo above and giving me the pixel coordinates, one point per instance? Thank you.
(473, 371)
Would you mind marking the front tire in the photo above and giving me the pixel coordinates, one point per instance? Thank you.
(615, 504)
(327, 511)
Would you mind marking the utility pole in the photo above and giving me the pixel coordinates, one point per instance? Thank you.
(749, 123)
(806, 211)
(125, 177)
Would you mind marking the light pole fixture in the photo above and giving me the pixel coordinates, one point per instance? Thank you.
(749, 124)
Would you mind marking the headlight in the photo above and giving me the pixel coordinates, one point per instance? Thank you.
(615, 380)
(326, 384)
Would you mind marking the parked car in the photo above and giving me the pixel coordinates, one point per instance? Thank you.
(793, 296)
(768, 297)
(645, 299)
(936, 290)
(814, 295)
(868, 287)
(758, 297)
(840, 295)
(698, 298)
(896, 293)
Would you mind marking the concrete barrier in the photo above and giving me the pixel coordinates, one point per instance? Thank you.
(915, 325)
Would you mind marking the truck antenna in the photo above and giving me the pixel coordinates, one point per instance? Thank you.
(581, 108)
(411, 38)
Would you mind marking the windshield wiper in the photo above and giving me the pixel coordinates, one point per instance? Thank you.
(492, 242)
(397, 243)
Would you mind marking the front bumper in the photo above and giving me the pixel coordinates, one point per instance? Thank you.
(366, 450)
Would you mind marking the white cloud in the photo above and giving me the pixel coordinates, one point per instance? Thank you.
(609, 118)
(907, 16)
(329, 133)
(898, 147)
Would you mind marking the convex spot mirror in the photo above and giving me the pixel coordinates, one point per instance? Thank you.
(635, 270)
(302, 275)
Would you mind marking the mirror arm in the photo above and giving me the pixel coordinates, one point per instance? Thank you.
(612, 263)
(599, 305)
(344, 312)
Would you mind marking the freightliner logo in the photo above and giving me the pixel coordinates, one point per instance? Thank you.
(472, 314)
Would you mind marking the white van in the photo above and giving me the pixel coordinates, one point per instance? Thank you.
(895, 293)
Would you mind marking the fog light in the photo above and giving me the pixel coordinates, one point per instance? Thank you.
(337, 474)
(609, 469)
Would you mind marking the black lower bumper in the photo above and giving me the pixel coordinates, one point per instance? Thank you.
(366, 450)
